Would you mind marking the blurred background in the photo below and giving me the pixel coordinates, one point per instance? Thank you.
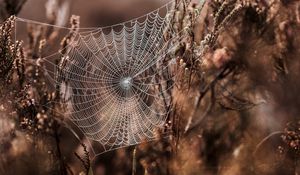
(93, 13)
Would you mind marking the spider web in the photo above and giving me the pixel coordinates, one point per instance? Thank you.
(116, 81)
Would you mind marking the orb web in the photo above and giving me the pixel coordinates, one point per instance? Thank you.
(116, 81)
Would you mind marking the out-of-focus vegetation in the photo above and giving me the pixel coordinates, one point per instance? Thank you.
(236, 101)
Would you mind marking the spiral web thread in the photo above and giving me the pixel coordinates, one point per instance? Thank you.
(116, 81)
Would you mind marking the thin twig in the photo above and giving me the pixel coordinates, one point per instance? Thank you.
(134, 161)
